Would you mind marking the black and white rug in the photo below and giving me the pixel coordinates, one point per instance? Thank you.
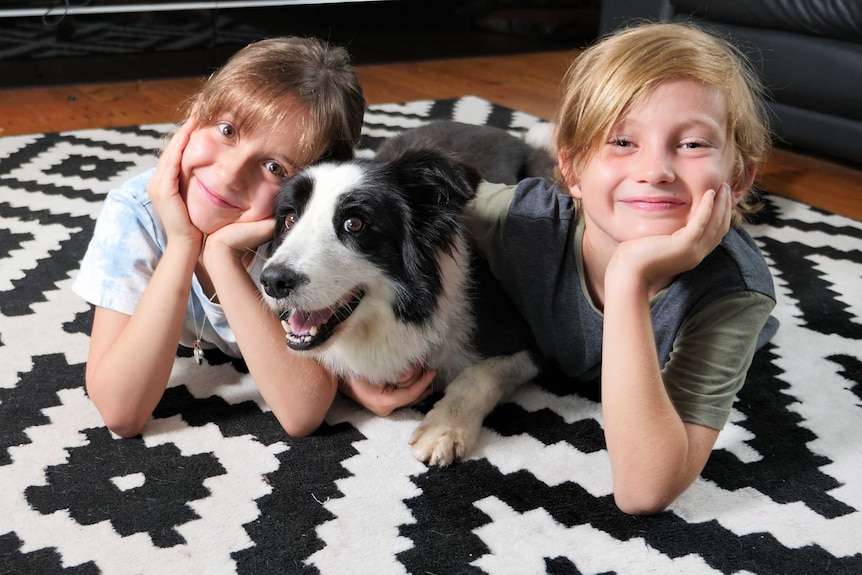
(215, 486)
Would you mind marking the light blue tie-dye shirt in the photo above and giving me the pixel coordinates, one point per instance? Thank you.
(126, 247)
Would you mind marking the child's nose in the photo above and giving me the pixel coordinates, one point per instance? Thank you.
(234, 171)
(655, 166)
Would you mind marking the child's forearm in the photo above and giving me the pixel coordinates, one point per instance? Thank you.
(298, 390)
(650, 452)
(131, 357)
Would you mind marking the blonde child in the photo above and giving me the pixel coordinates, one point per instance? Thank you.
(634, 268)
(173, 257)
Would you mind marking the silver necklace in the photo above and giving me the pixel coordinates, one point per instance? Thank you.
(198, 351)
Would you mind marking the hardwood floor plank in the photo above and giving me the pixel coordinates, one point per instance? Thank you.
(77, 107)
(830, 186)
(526, 82)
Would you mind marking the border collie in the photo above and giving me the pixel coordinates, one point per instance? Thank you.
(370, 271)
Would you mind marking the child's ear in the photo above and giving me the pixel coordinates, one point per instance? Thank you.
(739, 193)
(565, 165)
(567, 171)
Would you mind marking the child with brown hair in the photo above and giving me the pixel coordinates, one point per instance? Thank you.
(635, 269)
(173, 257)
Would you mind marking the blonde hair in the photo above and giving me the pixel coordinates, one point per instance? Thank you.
(272, 79)
(619, 72)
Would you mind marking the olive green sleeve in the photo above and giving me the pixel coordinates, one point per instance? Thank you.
(711, 356)
(485, 217)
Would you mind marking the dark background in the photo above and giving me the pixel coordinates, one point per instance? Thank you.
(55, 48)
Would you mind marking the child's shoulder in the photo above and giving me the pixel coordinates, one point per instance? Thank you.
(751, 263)
(128, 206)
(134, 189)
(736, 265)
(540, 198)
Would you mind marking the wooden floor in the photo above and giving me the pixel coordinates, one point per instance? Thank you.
(527, 82)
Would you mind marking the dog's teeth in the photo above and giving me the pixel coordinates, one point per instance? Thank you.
(313, 331)
(285, 326)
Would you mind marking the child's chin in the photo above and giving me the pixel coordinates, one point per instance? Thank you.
(205, 223)
(207, 228)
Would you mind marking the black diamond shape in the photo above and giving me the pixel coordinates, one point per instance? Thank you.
(89, 167)
(85, 488)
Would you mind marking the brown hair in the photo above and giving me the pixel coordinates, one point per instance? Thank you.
(270, 79)
(617, 73)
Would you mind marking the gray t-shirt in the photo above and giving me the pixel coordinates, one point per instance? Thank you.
(706, 322)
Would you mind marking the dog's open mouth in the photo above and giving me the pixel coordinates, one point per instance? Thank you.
(307, 329)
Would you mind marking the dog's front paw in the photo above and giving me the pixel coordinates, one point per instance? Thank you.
(440, 440)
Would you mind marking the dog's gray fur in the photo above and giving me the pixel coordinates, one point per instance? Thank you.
(499, 156)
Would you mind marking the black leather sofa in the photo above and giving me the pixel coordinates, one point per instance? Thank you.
(809, 54)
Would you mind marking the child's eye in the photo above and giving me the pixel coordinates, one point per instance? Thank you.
(226, 130)
(693, 144)
(276, 169)
(620, 142)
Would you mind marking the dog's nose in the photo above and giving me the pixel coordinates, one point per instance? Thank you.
(278, 282)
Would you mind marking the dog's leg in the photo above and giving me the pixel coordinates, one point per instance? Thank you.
(451, 429)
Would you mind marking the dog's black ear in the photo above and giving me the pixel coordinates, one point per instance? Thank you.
(435, 177)
(436, 190)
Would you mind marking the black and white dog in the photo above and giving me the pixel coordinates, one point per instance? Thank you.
(370, 271)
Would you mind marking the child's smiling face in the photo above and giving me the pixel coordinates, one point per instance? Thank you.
(232, 175)
(660, 158)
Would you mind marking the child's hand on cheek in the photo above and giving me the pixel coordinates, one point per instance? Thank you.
(657, 259)
(164, 190)
(239, 241)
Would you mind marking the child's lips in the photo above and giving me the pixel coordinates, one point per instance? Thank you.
(215, 198)
(654, 203)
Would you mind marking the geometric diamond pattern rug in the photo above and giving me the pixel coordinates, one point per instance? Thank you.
(213, 485)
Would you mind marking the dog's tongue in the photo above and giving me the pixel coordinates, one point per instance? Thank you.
(302, 321)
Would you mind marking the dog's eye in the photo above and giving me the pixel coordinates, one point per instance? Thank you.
(290, 219)
(353, 225)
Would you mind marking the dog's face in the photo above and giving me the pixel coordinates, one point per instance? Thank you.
(361, 238)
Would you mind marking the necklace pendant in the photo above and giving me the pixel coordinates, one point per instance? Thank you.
(198, 353)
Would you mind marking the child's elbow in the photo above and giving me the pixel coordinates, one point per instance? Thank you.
(640, 505)
(642, 501)
(123, 425)
(300, 429)
(120, 420)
